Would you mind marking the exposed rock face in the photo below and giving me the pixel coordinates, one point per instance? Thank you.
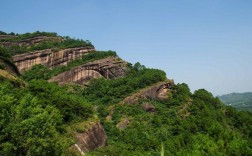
(158, 91)
(109, 68)
(48, 58)
(30, 41)
(7, 65)
(6, 36)
(91, 139)
(123, 124)
(148, 107)
(77, 76)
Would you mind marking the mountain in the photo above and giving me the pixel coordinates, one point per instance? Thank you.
(241, 101)
(61, 96)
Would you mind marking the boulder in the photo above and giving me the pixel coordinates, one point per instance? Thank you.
(148, 107)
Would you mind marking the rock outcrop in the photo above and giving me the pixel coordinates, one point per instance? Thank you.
(158, 91)
(91, 139)
(30, 41)
(109, 68)
(7, 65)
(7, 36)
(148, 107)
(49, 58)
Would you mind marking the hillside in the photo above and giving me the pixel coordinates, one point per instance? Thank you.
(61, 96)
(240, 101)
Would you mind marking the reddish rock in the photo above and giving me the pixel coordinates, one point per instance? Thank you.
(148, 107)
(28, 42)
(48, 58)
(93, 138)
(109, 68)
(158, 91)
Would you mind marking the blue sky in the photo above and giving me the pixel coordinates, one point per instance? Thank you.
(204, 43)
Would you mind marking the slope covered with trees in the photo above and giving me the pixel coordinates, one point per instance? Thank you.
(41, 118)
(240, 101)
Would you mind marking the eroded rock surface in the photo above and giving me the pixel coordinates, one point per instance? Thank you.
(48, 58)
(7, 36)
(28, 42)
(158, 91)
(93, 138)
(148, 107)
(109, 68)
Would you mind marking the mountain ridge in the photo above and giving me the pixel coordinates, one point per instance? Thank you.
(117, 109)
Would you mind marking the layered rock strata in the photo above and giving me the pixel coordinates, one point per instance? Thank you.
(30, 41)
(93, 138)
(158, 91)
(49, 58)
(109, 68)
(6, 36)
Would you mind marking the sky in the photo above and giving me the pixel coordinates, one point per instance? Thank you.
(203, 43)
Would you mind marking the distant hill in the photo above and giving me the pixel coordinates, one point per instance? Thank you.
(241, 101)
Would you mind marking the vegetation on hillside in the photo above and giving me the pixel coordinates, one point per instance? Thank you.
(240, 101)
(6, 63)
(210, 129)
(21, 37)
(33, 118)
(113, 91)
(36, 115)
(53, 44)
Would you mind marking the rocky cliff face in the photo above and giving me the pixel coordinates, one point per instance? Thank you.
(109, 68)
(7, 36)
(48, 58)
(28, 42)
(159, 91)
(93, 138)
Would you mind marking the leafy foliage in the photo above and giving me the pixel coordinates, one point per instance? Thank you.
(32, 118)
(5, 61)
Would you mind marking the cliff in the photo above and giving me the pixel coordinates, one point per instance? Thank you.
(109, 68)
(159, 91)
(49, 58)
(7, 36)
(91, 139)
(29, 41)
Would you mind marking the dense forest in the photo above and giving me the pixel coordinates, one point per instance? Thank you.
(41, 118)
(240, 101)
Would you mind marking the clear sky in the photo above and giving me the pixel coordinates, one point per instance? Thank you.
(204, 43)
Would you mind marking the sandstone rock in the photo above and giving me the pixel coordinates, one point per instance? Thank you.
(6, 36)
(158, 91)
(30, 41)
(148, 107)
(93, 138)
(48, 58)
(109, 68)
